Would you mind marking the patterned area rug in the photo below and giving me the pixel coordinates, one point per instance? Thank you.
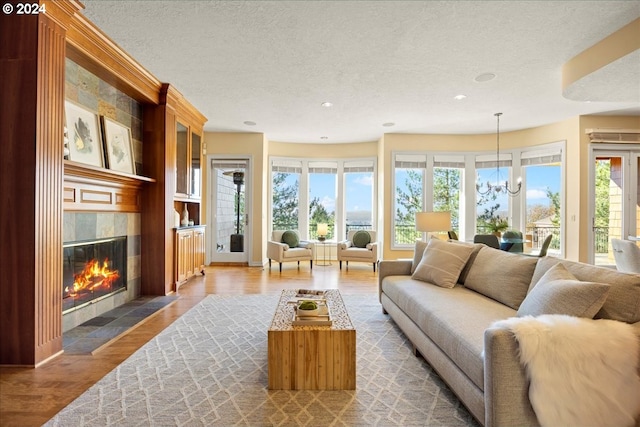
(209, 368)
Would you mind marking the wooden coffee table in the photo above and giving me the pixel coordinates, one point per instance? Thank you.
(312, 357)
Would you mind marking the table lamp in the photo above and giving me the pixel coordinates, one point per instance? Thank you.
(323, 230)
(433, 221)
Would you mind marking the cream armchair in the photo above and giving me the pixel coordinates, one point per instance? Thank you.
(359, 248)
(280, 251)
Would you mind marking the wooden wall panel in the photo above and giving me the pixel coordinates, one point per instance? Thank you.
(32, 63)
(48, 191)
(18, 62)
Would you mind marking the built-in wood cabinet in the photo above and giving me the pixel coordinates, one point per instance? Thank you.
(190, 245)
(188, 177)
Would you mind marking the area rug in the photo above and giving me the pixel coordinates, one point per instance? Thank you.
(209, 368)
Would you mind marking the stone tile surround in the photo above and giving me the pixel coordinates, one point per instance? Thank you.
(99, 225)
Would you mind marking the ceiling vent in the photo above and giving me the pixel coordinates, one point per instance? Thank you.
(617, 136)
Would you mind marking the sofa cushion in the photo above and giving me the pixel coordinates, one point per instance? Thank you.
(355, 252)
(558, 292)
(442, 263)
(472, 257)
(290, 238)
(294, 253)
(454, 319)
(361, 239)
(418, 251)
(501, 275)
(623, 301)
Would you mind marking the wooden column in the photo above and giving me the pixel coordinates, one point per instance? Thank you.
(32, 66)
(157, 233)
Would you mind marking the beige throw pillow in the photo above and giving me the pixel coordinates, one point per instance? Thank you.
(500, 275)
(476, 248)
(559, 292)
(623, 301)
(418, 251)
(442, 263)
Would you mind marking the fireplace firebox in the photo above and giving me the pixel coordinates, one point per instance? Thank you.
(93, 270)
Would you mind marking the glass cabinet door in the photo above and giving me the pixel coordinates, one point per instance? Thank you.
(195, 165)
(182, 142)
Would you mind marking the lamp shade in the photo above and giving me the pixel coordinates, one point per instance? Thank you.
(433, 221)
(323, 229)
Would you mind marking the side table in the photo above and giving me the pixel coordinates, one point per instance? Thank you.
(326, 245)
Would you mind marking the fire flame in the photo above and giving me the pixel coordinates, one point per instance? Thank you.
(94, 276)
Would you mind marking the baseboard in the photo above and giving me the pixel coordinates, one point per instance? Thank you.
(228, 264)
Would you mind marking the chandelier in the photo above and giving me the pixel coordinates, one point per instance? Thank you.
(498, 187)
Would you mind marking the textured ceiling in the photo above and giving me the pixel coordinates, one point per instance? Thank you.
(275, 62)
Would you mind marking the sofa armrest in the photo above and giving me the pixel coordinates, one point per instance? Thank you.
(373, 247)
(506, 387)
(275, 250)
(307, 244)
(392, 268)
(344, 244)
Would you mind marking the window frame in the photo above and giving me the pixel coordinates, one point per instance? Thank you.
(304, 196)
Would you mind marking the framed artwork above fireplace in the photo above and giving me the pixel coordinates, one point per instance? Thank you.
(118, 146)
(85, 138)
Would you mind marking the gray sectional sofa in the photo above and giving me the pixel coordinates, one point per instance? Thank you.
(447, 298)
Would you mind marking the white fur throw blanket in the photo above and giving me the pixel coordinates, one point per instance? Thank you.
(582, 372)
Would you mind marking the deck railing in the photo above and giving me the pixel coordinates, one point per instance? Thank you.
(407, 234)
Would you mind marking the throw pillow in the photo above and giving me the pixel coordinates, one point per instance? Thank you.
(623, 301)
(361, 239)
(501, 275)
(290, 238)
(418, 251)
(442, 263)
(476, 248)
(559, 292)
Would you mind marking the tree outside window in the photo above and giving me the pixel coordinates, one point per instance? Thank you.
(285, 201)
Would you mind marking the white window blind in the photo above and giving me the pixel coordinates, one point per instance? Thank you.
(411, 161)
(443, 161)
(358, 166)
(286, 166)
(541, 157)
(489, 161)
(323, 167)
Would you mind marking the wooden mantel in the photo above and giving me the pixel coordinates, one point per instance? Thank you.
(90, 188)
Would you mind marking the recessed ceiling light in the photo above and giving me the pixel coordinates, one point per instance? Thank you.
(327, 104)
(459, 97)
(388, 124)
(485, 77)
(250, 123)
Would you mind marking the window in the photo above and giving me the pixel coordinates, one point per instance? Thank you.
(438, 181)
(308, 192)
(492, 209)
(542, 178)
(408, 182)
(447, 187)
(285, 194)
(358, 194)
(322, 197)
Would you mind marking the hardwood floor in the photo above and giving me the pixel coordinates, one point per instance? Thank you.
(30, 397)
